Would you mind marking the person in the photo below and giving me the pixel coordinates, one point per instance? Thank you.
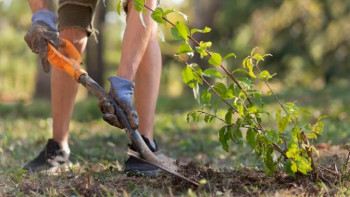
(138, 75)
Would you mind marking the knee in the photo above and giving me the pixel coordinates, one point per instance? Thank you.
(75, 35)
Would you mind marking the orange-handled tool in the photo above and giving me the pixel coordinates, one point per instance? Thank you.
(69, 62)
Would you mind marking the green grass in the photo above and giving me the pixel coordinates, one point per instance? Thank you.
(99, 150)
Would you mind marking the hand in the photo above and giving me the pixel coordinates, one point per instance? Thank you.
(43, 30)
(122, 92)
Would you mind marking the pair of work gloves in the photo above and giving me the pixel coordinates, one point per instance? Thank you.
(43, 30)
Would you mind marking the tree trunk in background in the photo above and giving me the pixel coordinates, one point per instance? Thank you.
(94, 51)
(42, 84)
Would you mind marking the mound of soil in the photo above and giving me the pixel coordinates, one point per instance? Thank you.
(244, 182)
(240, 182)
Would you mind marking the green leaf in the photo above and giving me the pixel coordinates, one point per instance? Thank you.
(139, 5)
(229, 55)
(230, 94)
(213, 73)
(268, 160)
(272, 136)
(235, 90)
(240, 110)
(157, 15)
(244, 63)
(310, 135)
(293, 150)
(291, 108)
(250, 68)
(252, 110)
(228, 116)
(253, 51)
(185, 48)
(188, 77)
(318, 126)
(176, 33)
(282, 123)
(258, 57)
(288, 167)
(215, 59)
(236, 134)
(239, 70)
(220, 88)
(193, 115)
(206, 118)
(166, 12)
(245, 81)
(303, 165)
(295, 133)
(251, 138)
(206, 97)
(224, 136)
(203, 46)
(205, 30)
(294, 167)
(119, 5)
(182, 30)
(264, 75)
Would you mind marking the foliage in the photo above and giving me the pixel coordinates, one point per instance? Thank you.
(244, 106)
(307, 38)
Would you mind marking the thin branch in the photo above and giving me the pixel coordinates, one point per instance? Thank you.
(229, 74)
(273, 93)
(210, 54)
(203, 112)
(234, 109)
(222, 120)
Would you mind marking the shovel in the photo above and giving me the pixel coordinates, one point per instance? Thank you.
(70, 62)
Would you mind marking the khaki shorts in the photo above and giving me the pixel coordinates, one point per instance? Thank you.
(80, 14)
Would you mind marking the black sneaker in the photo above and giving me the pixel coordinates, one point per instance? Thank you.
(134, 166)
(51, 159)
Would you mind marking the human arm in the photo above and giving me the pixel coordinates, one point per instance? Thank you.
(36, 5)
(42, 30)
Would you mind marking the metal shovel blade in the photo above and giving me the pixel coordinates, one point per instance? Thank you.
(165, 163)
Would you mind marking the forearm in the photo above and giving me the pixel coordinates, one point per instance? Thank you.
(37, 5)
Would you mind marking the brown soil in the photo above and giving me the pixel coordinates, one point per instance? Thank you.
(250, 182)
(242, 182)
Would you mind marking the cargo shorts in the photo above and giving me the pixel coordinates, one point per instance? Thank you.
(80, 14)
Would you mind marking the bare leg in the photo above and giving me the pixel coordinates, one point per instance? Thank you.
(147, 86)
(135, 41)
(64, 90)
(141, 58)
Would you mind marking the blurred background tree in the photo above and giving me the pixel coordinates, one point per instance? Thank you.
(309, 41)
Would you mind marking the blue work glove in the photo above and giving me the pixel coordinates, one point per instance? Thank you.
(42, 30)
(122, 91)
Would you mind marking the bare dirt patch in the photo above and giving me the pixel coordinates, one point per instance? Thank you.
(242, 182)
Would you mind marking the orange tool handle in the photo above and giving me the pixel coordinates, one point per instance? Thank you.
(69, 61)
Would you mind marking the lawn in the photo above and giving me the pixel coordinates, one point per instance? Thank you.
(99, 152)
